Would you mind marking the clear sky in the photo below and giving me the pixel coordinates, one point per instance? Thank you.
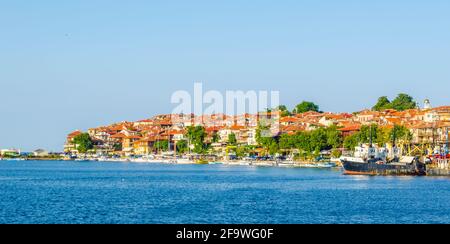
(67, 65)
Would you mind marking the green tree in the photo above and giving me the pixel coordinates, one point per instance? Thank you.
(215, 137)
(162, 145)
(265, 141)
(242, 151)
(403, 102)
(318, 139)
(303, 142)
(83, 142)
(365, 135)
(196, 136)
(232, 139)
(382, 104)
(336, 153)
(273, 148)
(306, 106)
(308, 143)
(287, 141)
(350, 142)
(368, 133)
(400, 134)
(283, 111)
(117, 147)
(182, 147)
(382, 136)
(334, 137)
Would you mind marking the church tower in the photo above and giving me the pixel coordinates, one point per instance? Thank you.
(427, 104)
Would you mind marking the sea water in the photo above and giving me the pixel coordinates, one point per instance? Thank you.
(95, 192)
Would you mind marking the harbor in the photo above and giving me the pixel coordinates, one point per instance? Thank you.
(401, 138)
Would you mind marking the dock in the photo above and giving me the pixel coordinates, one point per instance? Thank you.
(440, 167)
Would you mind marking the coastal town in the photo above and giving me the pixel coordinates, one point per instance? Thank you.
(421, 130)
(303, 137)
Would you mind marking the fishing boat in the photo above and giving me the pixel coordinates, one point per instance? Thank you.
(369, 160)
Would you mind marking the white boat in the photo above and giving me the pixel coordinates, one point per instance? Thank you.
(116, 160)
(286, 164)
(170, 161)
(214, 163)
(239, 163)
(316, 165)
(184, 161)
(264, 163)
(13, 159)
(326, 165)
(102, 159)
(139, 160)
(81, 160)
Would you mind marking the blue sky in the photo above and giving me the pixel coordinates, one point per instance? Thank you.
(67, 65)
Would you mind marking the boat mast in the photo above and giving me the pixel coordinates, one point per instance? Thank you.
(447, 142)
(434, 139)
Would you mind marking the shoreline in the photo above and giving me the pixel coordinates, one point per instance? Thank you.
(268, 163)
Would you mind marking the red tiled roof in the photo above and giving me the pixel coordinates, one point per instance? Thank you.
(354, 127)
(441, 109)
(289, 119)
(133, 137)
(73, 134)
(118, 135)
(292, 128)
(395, 121)
(213, 128)
(176, 132)
(421, 125)
(145, 121)
(147, 139)
(237, 127)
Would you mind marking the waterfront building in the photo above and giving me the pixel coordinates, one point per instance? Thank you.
(144, 146)
(350, 129)
(40, 153)
(69, 146)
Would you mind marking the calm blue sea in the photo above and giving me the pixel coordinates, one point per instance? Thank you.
(80, 192)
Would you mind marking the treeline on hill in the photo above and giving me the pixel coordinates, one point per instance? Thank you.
(400, 103)
(304, 144)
